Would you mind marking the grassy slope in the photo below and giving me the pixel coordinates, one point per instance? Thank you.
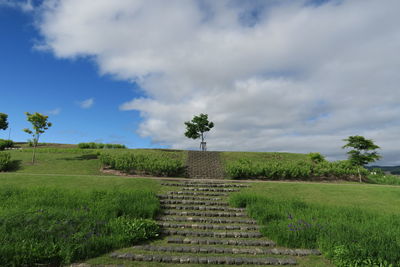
(74, 170)
(375, 198)
(73, 161)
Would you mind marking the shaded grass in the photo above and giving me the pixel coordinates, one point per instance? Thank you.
(58, 226)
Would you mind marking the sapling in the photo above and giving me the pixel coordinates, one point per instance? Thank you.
(39, 126)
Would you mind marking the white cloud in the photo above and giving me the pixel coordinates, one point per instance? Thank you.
(55, 111)
(86, 104)
(294, 77)
(25, 6)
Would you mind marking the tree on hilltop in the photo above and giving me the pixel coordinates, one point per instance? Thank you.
(363, 151)
(197, 127)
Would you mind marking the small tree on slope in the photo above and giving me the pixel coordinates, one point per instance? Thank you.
(363, 151)
(39, 126)
(197, 127)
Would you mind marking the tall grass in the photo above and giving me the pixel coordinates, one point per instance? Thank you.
(348, 236)
(291, 169)
(54, 226)
(384, 179)
(158, 164)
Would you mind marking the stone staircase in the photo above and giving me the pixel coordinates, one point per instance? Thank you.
(204, 165)
(199, 227)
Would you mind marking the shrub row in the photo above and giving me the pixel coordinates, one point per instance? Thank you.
(384, 179)
(157, 164)
(5, 161)
(56, 227)
(99, 146)
(6, 144)
(347, 236)
(300, 169)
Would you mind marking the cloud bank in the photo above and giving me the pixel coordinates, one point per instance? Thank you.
(294, 76)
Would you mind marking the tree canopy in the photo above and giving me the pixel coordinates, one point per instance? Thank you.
(3, 121)
(198, 126)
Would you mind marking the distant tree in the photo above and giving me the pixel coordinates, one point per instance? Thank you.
(363, 151)
(39, 126)
(3, 121)
(197, 127)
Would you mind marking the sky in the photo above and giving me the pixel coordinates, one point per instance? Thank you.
(273, 75)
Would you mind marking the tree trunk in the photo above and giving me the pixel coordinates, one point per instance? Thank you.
(35, 143)
(202, 142)
(359, 174)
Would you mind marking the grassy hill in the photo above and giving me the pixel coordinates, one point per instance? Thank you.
(66, 185)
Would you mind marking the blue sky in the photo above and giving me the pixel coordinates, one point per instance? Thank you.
(35, 81)
(277, 75)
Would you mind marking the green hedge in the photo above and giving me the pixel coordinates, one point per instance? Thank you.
(296, 169)
(100, 146)
(347, 236)
(57, 227)
(5, 161)
(157, 164)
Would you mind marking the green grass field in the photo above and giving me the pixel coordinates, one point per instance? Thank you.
(353, 225)
(77, 173)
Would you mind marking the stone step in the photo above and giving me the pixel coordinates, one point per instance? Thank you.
(221, 250)
(214, 208)
(189, 197)
(205, 220)
(180, 193)
(205, 185)
(209, 226)
(202, 189)
(203, 260)
(225, 242)
(204, 214)
(193, 202)
(211, 234)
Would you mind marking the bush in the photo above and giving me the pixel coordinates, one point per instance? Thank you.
(159, 164)
(100, 146)
(57, 227)
(6, 144)
(348, 236)
(316, 157)
(5, 161)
